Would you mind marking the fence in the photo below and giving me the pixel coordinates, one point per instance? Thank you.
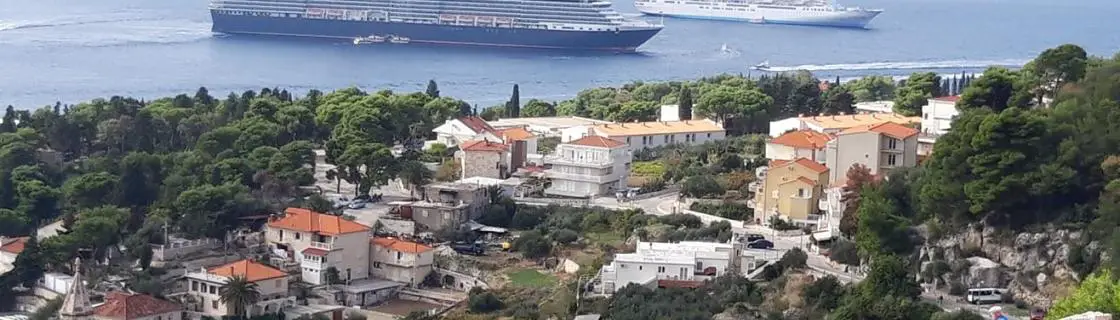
(553, 201)
(181, 247)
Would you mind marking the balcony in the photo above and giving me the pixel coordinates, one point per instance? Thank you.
(313, 264)
(822, 204)
(322, 245)
(556, 174)
(754, 186)
(554, 160)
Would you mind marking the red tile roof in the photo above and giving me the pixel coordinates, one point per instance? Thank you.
(399, 245)
(809, 164)
(515, 134)
(315, 252)
(952, 99)
(125, 306)
(804, 139)
(300, 219)
(251, 270)
(483, 145)
(476, 124)
(598, 141)
(887, 128)
(14, 245)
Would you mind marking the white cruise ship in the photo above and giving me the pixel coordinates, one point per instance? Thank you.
(795, 12)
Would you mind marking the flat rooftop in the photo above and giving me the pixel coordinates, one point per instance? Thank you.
(552, 123)
(655, 257)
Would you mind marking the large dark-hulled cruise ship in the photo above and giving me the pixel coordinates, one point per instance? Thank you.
(550, 24)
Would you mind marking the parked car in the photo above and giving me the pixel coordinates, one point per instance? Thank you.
(356, 205)
(755, 237)
(761, 244)
(474, 249)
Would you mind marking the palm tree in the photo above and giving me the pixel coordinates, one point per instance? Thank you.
(238, 294)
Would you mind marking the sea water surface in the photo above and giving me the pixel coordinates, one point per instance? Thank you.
(71, 51)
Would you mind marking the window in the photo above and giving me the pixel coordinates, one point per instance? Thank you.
(627, 140)
(774, 194)
(699, 265)
(194, 286)
(925, 115)
(214, 304)
(377, 264)
(639, 267)
(281, 235)
(892, 159)
(622, 266)
(398, 255)
(709, 135)
(660, 269)
(297, 235)
(892, 143)
(666, 138)
(203, 286)
(801, 192)
(213, 289)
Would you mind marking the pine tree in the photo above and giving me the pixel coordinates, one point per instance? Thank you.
(684, 104)
(513, 106)
(8, 124)
(433, 89)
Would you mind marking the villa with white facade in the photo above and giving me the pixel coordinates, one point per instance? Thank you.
(588, 166)
(686, 261)
(319, 241)
(272, 284)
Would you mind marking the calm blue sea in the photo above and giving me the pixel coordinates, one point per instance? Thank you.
(70, 51)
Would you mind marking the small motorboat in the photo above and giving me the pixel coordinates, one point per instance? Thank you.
(764, 66)
(399, 39)
(368, 40)
(725, 49)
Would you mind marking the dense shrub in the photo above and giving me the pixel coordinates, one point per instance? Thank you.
(730, 210)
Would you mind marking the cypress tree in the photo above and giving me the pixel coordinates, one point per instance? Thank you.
(513, 107)
(9, 121)
(684, 104)
(433, 89)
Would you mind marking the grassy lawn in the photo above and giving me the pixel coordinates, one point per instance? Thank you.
(529, 278)
(610, 238)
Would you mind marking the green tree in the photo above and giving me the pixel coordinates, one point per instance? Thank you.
(1098, 292)
(91, 189)
(881, 230)
(684, 103)
(838, 101)
(532, 245)
(1055, 67)
(859, 177)
(415, 174)
(998, 88)
(538, 108)
(871, 88)
(916, 92)
(724, 103)
(513, 106)
(432, 90)
(239, 294)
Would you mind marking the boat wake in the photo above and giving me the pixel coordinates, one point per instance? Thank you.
(110, 33)
(62, 22)
(929, 65)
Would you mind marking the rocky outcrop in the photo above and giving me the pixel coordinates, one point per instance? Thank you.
(1033, 266)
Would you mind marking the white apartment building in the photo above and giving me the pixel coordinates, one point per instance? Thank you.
(206, 284)
(400, 261)
(588, 166)
(880, 148)
(885, 106)
(652, 134)
(318, 242)
(682, 261)
(938, 114)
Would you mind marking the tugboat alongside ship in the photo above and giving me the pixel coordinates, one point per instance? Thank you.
(371, 39)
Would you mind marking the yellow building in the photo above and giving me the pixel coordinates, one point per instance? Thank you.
(791, 190)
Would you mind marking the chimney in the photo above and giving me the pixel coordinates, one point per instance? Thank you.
(841, 112)
(800, 115)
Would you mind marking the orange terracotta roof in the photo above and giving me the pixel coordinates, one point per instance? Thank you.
(658, 127)
(300, 219)
(476, 124)
(515, 134)
(315, 252)
(14, 245)
(805, 139)
(119, 305)
(597, 141)
(251, 270)
(810, 164)
(777, 163)
(399, 245)
(802, 179)
(484, 146)
(888, 128)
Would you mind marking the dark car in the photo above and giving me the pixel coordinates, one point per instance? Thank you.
(754, 237)
(761, 244)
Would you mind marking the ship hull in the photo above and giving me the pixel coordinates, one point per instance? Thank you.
(624, 40)
(839, 18)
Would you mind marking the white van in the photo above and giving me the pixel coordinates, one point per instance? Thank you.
(984, 295)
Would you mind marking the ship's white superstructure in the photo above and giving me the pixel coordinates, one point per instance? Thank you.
(797, 12)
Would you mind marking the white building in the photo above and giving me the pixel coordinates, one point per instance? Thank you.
(588, 166)
(652, 134)
(684, 261)
(320, 241)
(875, 107)
(462, 129)
(545, 126)
(206, 284)
(938, 114)
(400, 261)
